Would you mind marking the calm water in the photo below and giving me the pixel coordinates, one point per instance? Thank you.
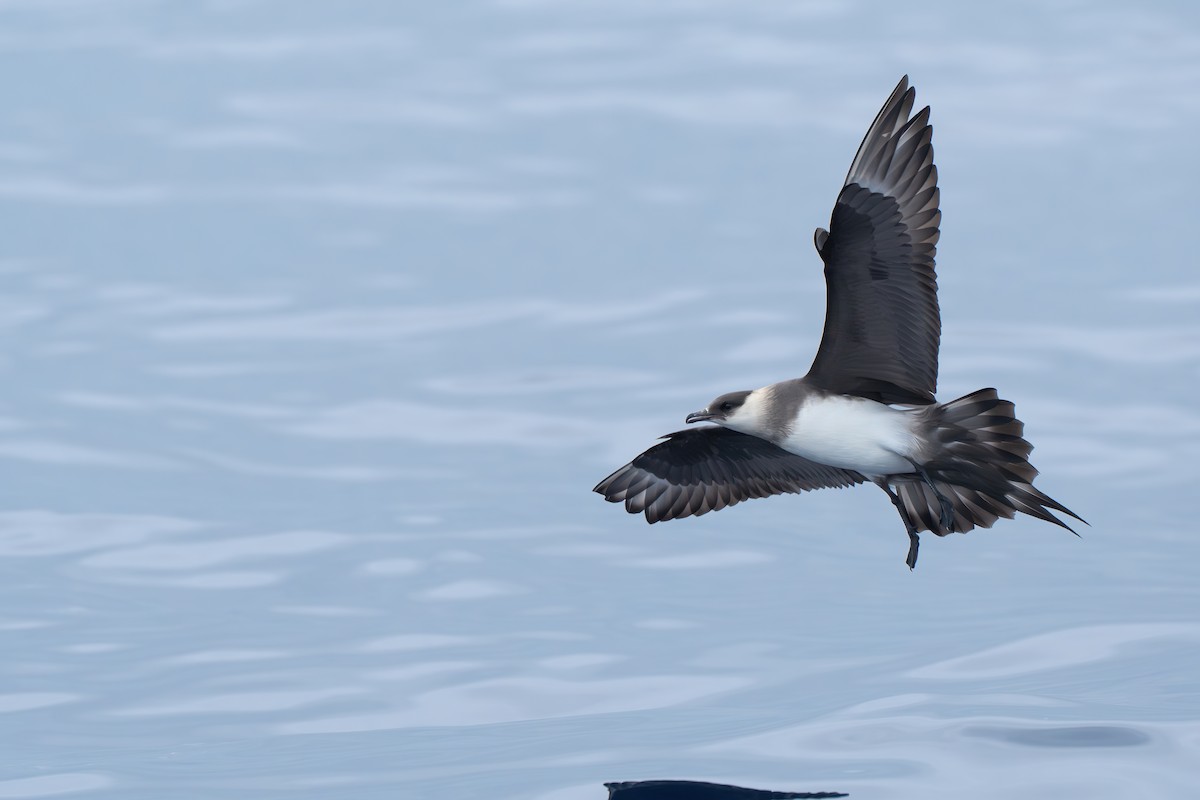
(320, 322)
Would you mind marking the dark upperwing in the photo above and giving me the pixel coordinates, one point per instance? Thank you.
(706, 469)
(882, 325)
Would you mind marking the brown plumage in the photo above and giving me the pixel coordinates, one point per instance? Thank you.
(866, 410)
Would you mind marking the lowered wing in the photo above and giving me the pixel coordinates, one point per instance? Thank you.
(706, 469)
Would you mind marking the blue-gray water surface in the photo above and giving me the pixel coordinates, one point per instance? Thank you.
(321, 320)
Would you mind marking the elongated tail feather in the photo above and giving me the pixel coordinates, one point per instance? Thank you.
(979, 462)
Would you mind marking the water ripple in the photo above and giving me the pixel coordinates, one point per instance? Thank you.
(514, 699)
(52, 785)
(1052, 651)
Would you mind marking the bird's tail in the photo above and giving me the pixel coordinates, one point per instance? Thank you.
(979, 464)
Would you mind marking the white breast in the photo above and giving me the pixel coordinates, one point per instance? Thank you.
(853, 433)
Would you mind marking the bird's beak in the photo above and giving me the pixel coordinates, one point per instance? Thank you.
(699, 416)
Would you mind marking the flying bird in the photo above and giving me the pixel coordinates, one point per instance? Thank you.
(866, 410)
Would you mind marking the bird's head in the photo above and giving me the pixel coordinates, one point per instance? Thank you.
(733, 410)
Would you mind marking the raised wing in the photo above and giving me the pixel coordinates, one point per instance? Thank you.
(882, 325)
(706, 469)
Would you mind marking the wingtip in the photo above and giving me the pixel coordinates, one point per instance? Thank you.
(602, 487)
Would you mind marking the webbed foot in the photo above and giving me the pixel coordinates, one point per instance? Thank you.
(946, 518)
(947, 512)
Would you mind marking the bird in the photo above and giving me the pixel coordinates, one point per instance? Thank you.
(866, 410)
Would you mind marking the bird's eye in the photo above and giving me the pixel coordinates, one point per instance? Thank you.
(727, 406)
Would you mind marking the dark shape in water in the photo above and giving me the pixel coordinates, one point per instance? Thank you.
(1064, 736)
(699, 790)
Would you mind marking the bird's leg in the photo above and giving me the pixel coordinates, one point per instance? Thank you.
(947, 515)
(914, 541)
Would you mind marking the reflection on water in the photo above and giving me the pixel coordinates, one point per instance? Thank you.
(1076, 736)
(699, 790)
(319, 327)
